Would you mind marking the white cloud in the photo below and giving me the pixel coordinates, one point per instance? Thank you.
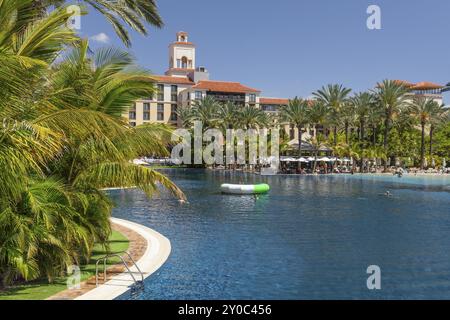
(101, 37)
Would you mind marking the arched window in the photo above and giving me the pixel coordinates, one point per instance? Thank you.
(184, 62)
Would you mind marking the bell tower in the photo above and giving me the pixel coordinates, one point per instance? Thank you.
(181, 56)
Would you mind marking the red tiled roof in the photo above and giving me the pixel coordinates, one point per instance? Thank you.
(426, 86)
(278, 101)
(174, 80)
(403, 82)
(223, 86)
(183, 43)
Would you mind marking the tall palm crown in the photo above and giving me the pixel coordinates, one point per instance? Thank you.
(229, 115)
(252, 118)
(206, 111)
(334, 96)
(363, 103)
(391, 96)
(423, 110)
(297, 113)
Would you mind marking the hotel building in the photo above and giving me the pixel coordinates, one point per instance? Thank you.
(184, 82)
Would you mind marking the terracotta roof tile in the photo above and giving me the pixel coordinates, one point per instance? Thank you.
(174, 80)
(223, 86)
(426, 86)
(277, 101)
(182, 43)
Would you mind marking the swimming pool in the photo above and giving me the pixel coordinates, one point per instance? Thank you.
(311, 237)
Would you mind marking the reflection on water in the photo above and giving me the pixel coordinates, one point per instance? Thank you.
(311, 237)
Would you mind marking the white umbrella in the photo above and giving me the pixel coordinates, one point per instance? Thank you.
(425, 162)
(444, 163)
(325, 159)
(303, 160)
(433, 163)
(311, 159)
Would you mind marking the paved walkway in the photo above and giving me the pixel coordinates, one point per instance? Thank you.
(147, 247)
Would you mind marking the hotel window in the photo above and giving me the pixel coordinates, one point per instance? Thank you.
(146, 114)
(173, 113)
(160, 114)
(198, 95)
(132, 115)
(160, 92)
(252, 98)
(174, 93)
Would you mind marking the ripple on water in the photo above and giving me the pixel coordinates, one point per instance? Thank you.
(309, 238)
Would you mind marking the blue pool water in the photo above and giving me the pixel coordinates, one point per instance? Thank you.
(311, 237)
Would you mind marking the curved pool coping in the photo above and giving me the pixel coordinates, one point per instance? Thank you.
(157, 251)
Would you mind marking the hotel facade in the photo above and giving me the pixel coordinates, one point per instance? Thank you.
(184, 82)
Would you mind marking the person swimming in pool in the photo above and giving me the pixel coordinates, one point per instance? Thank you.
(388, 193)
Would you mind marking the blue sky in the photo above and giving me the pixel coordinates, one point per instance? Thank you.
(293, 47)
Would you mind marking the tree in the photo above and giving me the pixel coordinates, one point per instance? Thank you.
(348, 118)
(62, 140)
(317, 142)
(252, 118)
(296, 113)
(423, 110)
(229, 113)
(318, 115)
(391, 96)
(438, 118)
(362, 104)
(206, 111)
(334, 97)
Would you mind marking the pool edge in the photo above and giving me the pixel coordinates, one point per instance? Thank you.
(155, 255)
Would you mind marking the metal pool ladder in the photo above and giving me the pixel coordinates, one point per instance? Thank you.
(138, 284)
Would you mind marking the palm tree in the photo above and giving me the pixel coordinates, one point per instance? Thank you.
(423, 110)
(348, 118)
(296, 113)
(334, 97)
(318, 115)
(206, 111)
(250, 117)
(391, 96)
(374, 117)
(362, 103)
(229, 112)
(438, 117)
(135, 14)
(62, 138)
(317, 142)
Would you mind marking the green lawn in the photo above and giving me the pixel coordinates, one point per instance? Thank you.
(39, 290)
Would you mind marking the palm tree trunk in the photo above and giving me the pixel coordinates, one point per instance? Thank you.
(431, 140)
(300, 134)
(315, 161)
(386, 138)
(374, 135)
(422, 147)
(346, 133)
(335, 135)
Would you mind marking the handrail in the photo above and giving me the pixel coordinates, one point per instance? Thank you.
(105, 258)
